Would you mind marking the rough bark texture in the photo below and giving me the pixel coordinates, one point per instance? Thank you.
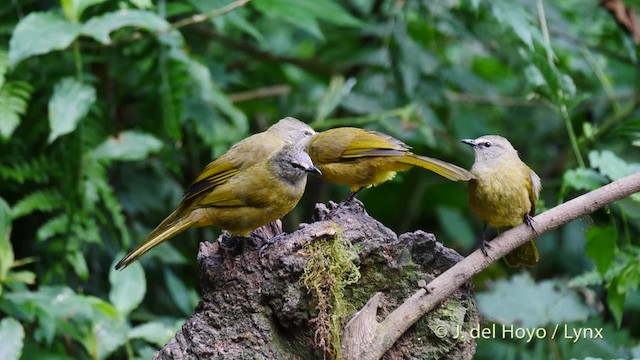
(254, 307)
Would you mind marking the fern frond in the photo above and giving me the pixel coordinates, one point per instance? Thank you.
(4, 65)
(39, 200)
(14, 98)
(54, 226)
(38, 170)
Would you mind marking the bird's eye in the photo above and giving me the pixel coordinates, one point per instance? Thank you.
(487, 144)
(297, 166)
(307, 133)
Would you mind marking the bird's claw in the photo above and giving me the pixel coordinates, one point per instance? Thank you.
(484, 246)
(528, 219)
(267, 242)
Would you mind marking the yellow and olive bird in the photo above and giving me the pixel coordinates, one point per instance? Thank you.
(503, 193)
(363, 158)
(257, 181)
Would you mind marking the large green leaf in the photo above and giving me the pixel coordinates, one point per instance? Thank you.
(128, 146)
(127, 287)
(70, 102)
(611, 165)
(522, 301)
(601, 246)
(40, 33)
(11, 338)
(100, 27)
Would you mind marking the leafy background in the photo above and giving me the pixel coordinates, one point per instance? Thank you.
(108, 108)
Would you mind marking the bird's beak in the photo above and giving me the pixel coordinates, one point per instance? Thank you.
(469, 142)
(313, 169)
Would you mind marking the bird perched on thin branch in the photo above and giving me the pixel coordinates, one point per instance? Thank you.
(503, 193)
(257, 181)
(363, 158)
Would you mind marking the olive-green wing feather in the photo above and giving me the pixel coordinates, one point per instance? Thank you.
(372, 143)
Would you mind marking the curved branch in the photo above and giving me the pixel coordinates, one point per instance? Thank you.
(382, 336)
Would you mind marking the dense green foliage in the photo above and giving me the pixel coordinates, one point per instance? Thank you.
(109, 108)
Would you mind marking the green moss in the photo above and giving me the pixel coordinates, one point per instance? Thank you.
(328, 271)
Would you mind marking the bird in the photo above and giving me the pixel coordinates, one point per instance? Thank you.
(363, 158)
(503, 193)
(249, 186)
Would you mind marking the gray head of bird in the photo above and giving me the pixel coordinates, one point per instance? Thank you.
(292, 163)
(489, 147)
(292, 130)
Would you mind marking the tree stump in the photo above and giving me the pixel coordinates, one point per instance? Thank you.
(254, 305)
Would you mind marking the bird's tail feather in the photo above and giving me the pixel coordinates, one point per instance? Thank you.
(526, 254)
(168, 228)
(442, 168)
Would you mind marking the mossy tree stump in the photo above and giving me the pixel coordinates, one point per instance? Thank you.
(256, 307)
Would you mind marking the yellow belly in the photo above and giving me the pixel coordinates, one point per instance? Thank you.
(500, 198)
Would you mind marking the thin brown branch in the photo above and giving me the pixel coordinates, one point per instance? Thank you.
(259, 93)
(198, 18)
(384, 334)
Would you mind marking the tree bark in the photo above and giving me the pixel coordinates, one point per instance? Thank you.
(254, 306)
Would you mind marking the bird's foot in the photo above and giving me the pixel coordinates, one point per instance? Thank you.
(267, 242)
(484, 246)
(350, 201)
(528, 219)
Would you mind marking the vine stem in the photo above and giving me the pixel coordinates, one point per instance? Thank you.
(561, 96)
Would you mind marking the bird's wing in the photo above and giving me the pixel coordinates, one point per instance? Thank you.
(219, 198)
(215, 174)
(372, 143)
(534, 190)
(241, 156)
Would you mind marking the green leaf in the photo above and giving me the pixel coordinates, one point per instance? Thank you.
(521, 300)
(14, 99)
(336, 91)
(611, 165)
(6, 249)
(582, 179)
(615, 300)
(11, 338)
(24, 276)
(515, 17)
(40, 200)
(179, 292)
(128, 146)
(127, 287)
(589, 278)
(4, 65)
(101, 27)
(304, 14)
(155, 332)
(79, 263)
(601, 246)
(40, 33)
(239, 18)
(70, 103)
(73, 9)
